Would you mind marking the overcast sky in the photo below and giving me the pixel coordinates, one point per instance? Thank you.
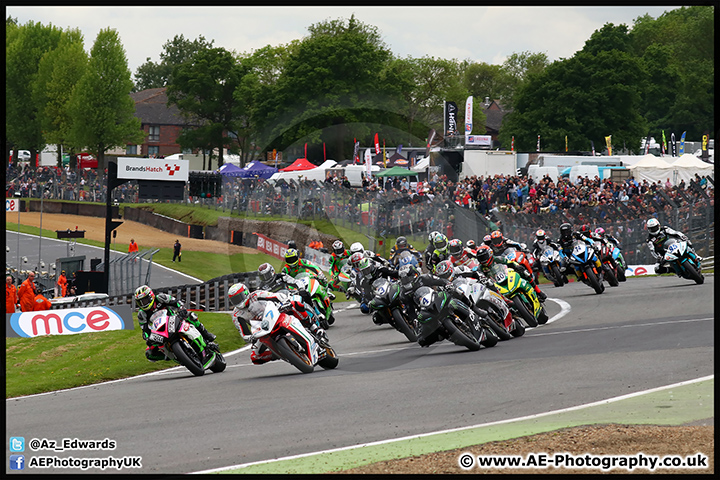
(481, 34)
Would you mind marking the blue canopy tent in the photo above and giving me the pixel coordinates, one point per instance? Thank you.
(230, 170)
(258, 169)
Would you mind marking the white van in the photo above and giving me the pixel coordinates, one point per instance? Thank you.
(583, 170)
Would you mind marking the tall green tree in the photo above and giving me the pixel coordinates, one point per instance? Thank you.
(518, 68)
(203, 90)
(336, 83)
(24, 47)
(485, 80)
(175, 52)
(58, 73)
(586, 97)
(103, 112)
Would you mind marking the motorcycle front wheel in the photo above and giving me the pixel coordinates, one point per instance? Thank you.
(295, 357)
(188, 357)
(331, 359)
(403, 326)
(693, 274)
(524, 312)
(460, 333)
(219, 364)
(557, 276)
(610, 275)
(593, 281)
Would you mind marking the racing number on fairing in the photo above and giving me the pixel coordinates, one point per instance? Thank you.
(578, 250)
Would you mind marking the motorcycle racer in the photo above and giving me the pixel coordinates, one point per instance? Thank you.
(249, 307)
(657, 236)
(440, 251)
(499, 243)
(487, 259)
(460, 255)
(371, 271)
(402, 245)
(566, 242)
(339, 253)
(148, 303)
(427, 254)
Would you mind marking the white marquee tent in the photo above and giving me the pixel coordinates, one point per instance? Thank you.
(686, 166)
(652, 169)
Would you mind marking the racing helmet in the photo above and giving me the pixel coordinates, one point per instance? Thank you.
(432, 235)
(653, 226)
(487, 240)
(292, 257)
(497, 238)
(407, 273)
(338, 247)
(455, 247)
(401, 242)
(238, 295)
(471, 244)
(600, 231)
(444, 269)
(266, 271)
(366, 266)
(144, 298)
(484, 255)
(356, 247)
(440, 242)
(585, 230)
(355, 259)
(540, 235)
(565, 231)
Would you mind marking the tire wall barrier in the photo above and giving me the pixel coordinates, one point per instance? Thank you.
(82, 209)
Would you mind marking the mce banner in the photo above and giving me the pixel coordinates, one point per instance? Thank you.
(68, 321)
(137, 168)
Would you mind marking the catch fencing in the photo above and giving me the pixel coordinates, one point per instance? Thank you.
(127, 272)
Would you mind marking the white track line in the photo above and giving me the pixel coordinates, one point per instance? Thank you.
(500, 422)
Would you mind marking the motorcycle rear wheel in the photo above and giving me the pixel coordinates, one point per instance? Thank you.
(459, 333)
(490, 338)
(296, 358)
(524, 312)
(519, 329)
(188, 357)
(403, 326)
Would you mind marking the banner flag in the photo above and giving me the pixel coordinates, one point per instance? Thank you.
(324, 154)
(368, 164)
(663, 145)
(399, 149)
(566, 148)
(592, 145)
(512, 144)
(468, 115)
(451, 118)
(608, 142)
(356, 159)
(377, 145)
(305, 150)
(384, 155)
(431, 137)
(538, 143)
(705, 154)
(682, 144)
(647, 144)
(672, 144)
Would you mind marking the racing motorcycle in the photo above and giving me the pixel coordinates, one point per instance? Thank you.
(434, 311)
(361, 290)
(496, 312)
(610, 268)
(182, 342)
(615, 257)
(584, 258)
(522, 295)
(288, 339)
(552, 262)
(407, 258)
(683, 260)
(320, 299)
(514, 255)
(342, 280)
(388, 304)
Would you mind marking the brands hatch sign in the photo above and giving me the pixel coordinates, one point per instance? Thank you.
(133, 168)
(69, 321)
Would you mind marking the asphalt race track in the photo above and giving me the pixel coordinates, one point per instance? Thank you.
(647, 333)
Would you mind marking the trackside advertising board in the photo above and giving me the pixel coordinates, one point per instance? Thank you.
(12, 204)
(134, 168)
(69, 321)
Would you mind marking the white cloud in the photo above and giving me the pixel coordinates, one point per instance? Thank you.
(487, 34)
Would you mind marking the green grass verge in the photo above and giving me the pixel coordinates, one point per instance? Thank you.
(54, 362)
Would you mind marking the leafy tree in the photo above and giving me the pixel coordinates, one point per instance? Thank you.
(485, 80)
(24, 47)
(586, 97)
(103, 112)
(518, 68)
(337, 81)
(203, 91)
(59, 70)
(175, 52)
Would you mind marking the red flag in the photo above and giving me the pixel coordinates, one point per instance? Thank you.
(305, 150)
(512, 144)
(324, 154)
(377, 145)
